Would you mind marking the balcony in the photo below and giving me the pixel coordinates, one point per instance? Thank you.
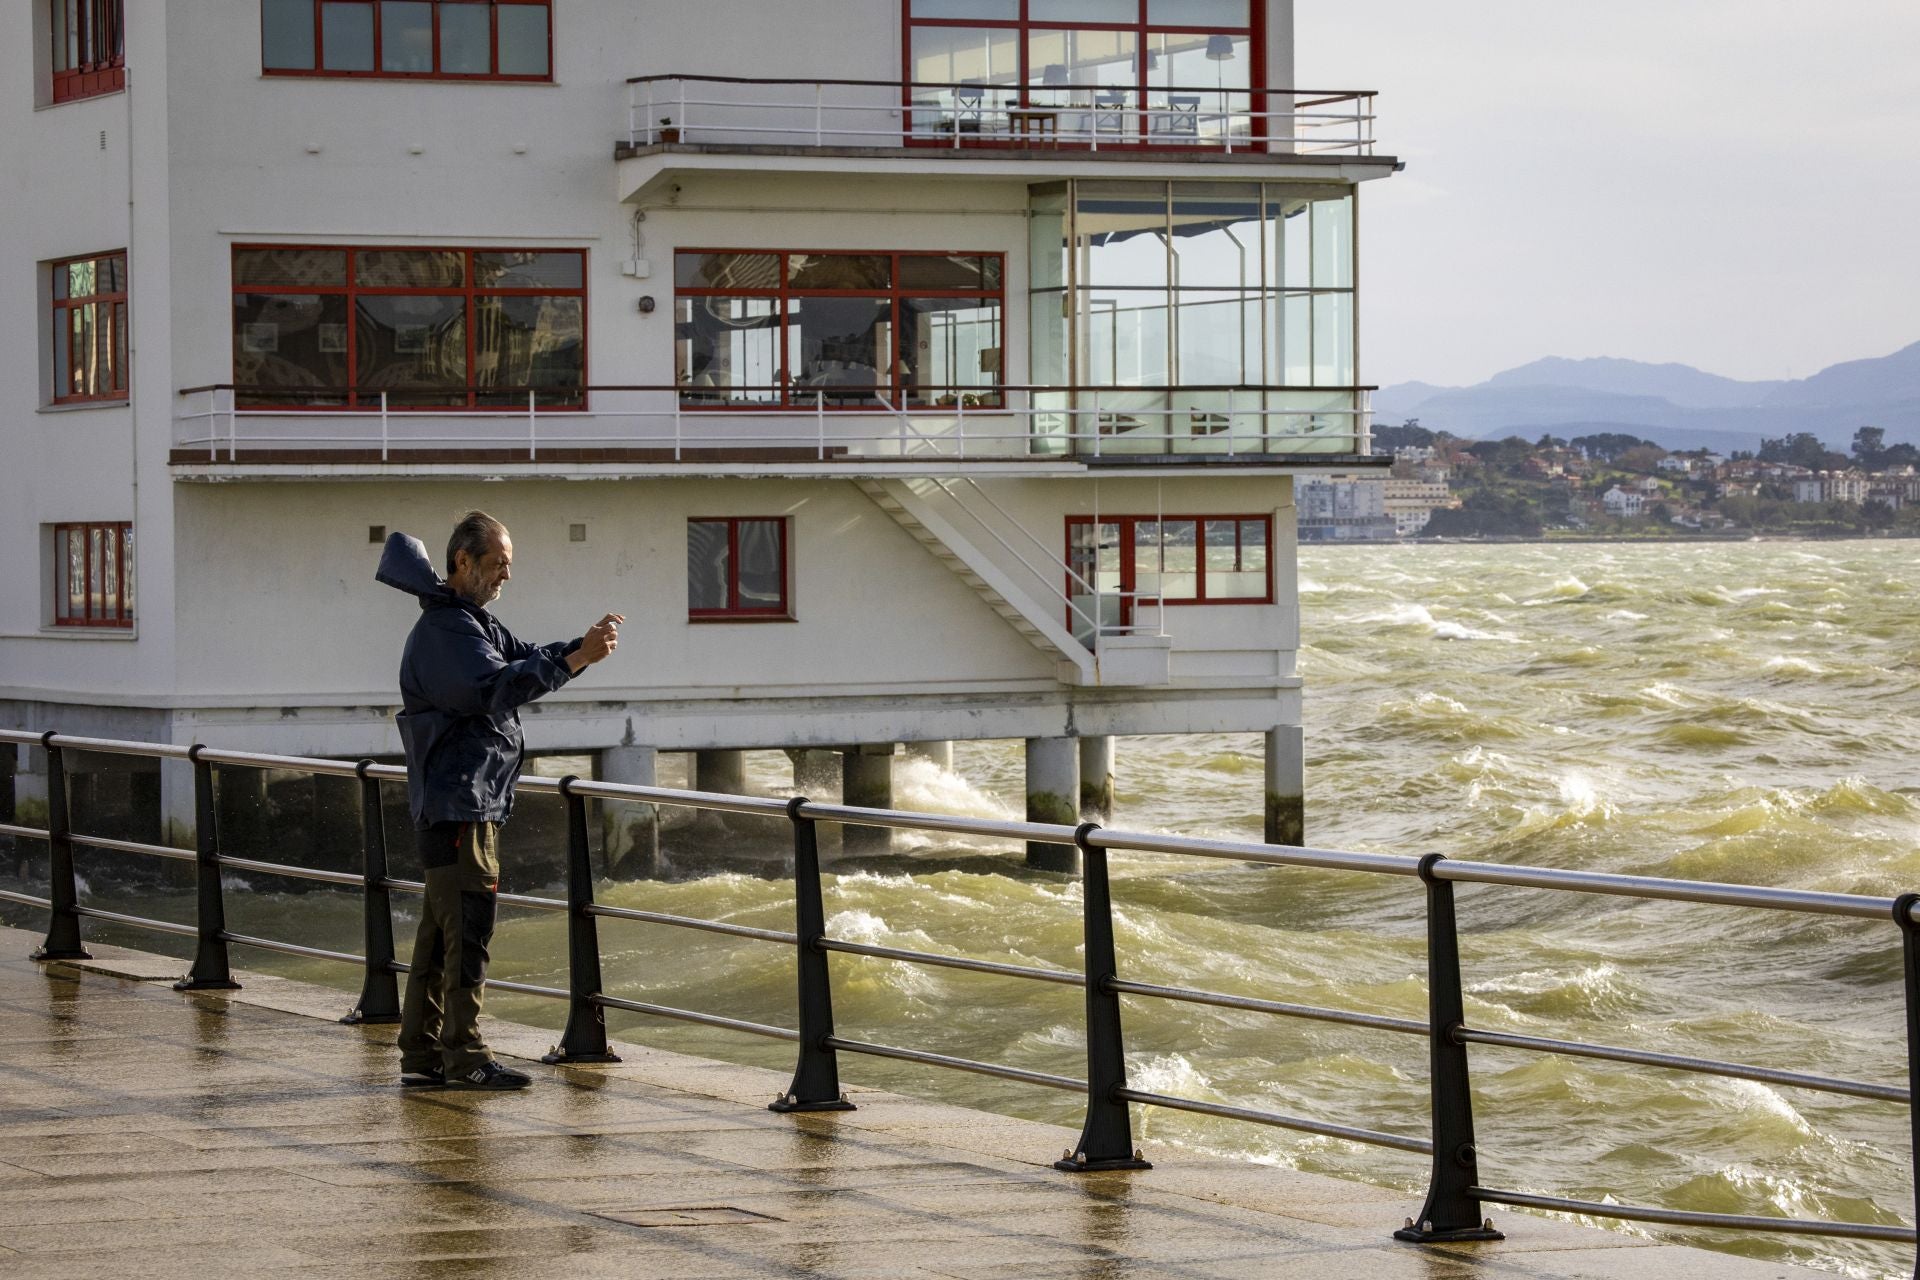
(978, 119)
(750, 430)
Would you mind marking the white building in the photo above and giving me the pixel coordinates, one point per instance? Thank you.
(884, 384)
(1344, 510)
(1411, 502)
(1622, 503)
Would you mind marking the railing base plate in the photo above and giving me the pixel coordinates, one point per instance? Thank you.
(41, 953)
(560, 1059)
(789, 1106)
(206, 984)
(1416, 1235)
(1101, 1166)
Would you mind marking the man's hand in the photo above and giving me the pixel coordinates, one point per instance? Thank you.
(602, 638)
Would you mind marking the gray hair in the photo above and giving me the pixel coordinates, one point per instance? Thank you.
(475, 534)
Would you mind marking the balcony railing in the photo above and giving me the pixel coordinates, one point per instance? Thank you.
(772, 422)
(736, 111)
(1456, 1188)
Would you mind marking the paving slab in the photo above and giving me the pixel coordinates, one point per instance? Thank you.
(145, 1132)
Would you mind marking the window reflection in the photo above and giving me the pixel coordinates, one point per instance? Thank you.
(727, 350)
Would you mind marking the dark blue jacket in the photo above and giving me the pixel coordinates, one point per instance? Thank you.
(462, 677)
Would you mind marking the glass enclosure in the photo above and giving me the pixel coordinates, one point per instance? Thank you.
(1195, 316)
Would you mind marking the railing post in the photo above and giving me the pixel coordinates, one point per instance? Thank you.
(63, 925)
(210, 971)
(816, 1075)
(379, 989)
(585, 1037)
(1903, 909)
(533, 426)
(383, 426)
(820, 420)
(1106, 1140)
(819, 123)
(1452, 1211)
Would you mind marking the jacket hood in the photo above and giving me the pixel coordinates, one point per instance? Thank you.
(405, 565)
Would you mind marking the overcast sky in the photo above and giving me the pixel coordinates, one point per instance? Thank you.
(1732, 184)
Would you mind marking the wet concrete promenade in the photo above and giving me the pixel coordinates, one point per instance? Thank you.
(148, 1133)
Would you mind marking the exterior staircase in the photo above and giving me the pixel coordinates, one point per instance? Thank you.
(933, 516)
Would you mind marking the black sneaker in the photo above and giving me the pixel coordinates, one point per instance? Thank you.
(489, 1075)
(431, 1078)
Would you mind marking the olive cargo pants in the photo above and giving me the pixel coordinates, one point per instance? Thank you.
(440, 1018)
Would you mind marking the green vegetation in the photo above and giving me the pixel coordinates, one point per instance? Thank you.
(1516, 488)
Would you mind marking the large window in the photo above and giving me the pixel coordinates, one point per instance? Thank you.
(1194, 284)
(89, 47)
(90, 328)
(470, 328)
(93, 575)
(737, 569)
(1116, 561)
(456, 39)
(859, 330)
(1124, 72)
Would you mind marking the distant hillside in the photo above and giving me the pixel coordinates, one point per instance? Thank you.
(1679, 384)
(1675, 405)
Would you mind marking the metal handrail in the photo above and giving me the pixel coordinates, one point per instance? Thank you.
(1103, 1144)
(1133, 116)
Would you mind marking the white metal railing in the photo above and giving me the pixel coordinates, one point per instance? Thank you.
(1089, 624)
(722, 110)
(675, 424)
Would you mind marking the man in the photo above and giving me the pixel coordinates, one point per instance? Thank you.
(463, 677)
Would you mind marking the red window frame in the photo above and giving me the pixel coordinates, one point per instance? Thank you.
(99, 380)
(105, 545)
(1255, 34)
(89, 39)
(792, 396)
(734, 611)
(1128, 567)
(352, 290)
(493, 48)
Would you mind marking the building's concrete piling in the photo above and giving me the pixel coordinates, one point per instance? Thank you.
(629, 832)
(866, 779)
(1286, 786)
(1053, 795)
(1096, 779)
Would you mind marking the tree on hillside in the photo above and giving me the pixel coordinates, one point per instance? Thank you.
(1607, 445)
(1642, 458)
(1869, 444)
(1485, 514)
(1408, 435)
(1800, 449)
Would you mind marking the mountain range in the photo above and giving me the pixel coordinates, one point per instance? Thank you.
(1674, 405)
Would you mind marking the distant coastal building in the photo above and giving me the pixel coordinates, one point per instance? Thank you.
(1344, 511)
(1851, 487)
(902, 378)
(1411, 503)
(1622, 503)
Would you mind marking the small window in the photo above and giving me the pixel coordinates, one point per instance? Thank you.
(89, 48)
(93, 575)
(437, 39)
(737, 568)
(90, 329)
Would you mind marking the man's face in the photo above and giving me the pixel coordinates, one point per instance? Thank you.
(481, 580)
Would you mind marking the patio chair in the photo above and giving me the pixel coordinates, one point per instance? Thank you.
(1181, 117)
